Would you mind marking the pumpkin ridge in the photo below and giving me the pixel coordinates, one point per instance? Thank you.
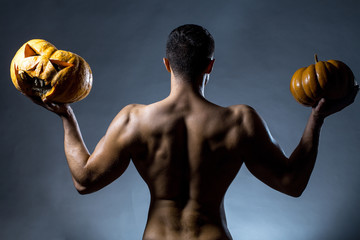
(307, 75)
(297, 88)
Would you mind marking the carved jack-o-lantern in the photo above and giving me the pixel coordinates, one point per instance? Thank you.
(38, 69)
(331, 80)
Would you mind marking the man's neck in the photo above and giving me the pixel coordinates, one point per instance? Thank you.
(181, 85)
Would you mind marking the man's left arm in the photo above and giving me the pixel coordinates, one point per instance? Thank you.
(265, 159)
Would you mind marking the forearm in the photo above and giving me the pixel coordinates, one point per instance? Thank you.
(76, 152)
(302, 160)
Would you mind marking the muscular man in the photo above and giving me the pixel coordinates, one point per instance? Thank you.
(188, 150)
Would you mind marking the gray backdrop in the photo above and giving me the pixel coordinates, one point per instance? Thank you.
(259, 45)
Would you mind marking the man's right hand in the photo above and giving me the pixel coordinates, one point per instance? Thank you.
(325, 108)
(60, 109)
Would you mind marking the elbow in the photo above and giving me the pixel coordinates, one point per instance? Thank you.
(83, 189)
(295, 194)
(85, 183)
(292, 191)
(293, 188)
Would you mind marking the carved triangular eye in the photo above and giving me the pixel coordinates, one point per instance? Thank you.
(29, 51)
(59, 65)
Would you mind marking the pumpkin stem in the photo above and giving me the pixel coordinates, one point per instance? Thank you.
(316, 58)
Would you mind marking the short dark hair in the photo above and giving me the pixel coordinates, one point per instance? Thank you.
(189, 49)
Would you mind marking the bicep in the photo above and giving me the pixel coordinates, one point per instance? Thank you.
(262, 155)
(109, 159)
(111, 156)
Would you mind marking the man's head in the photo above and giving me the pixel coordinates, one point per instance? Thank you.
(189, 50)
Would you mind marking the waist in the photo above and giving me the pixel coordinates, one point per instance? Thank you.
(169, 219)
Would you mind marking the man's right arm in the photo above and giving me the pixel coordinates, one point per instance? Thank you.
(265, 159)
(111, 157)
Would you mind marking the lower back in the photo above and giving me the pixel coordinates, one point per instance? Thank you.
(167, 221)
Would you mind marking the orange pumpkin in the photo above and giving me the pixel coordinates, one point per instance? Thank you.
(330, 80)
(39, 69)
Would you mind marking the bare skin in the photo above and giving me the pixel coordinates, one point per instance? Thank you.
(188, 151)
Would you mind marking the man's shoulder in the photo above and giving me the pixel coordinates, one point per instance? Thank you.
(127, 116)
(131, 108)
(247, 116)
(242, 110)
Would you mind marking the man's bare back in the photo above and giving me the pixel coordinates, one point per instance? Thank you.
(188, 151)
(185, 157)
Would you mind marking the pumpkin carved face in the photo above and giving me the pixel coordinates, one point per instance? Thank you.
(39, 69)
(331, 80)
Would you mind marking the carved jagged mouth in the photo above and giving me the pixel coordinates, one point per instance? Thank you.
(38, 85)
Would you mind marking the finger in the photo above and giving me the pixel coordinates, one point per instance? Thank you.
(320, 104)
(36, 100)
(46, 101)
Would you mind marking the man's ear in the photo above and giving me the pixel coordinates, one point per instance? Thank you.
(167, 64)
(210, 66)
